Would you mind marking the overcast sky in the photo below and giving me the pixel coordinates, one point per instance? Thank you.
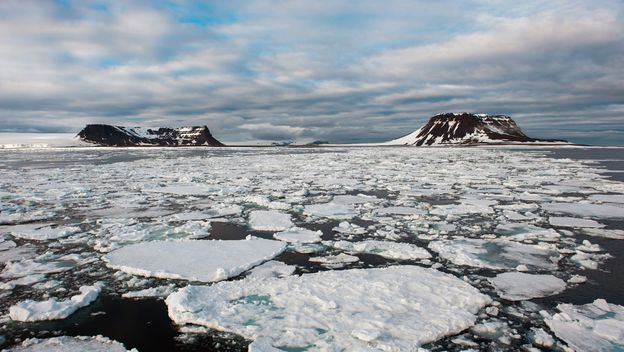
(341, 71)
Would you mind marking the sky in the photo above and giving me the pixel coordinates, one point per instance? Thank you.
(337, 71)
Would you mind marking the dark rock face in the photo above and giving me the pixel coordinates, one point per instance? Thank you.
(118, 136)
(465, 128)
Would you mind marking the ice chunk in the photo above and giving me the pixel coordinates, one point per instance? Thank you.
(597, 326)
(52, 308)
(29, 267)
(70, 344)
(335, 261)
(515, 286)
(574, 222)
(43, 233)
(182, 189)
(608, 198)
(191, 260)
(386, 249)
(152, 292)
(18, 218)
(521, 232)
(394, 308)
(299, 235)
(586, 209)
(400, 211)
(495, 254)
(269, 220)
(272, 268)
(330, 210)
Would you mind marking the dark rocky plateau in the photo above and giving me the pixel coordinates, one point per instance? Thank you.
(118, 136)
(466, 128)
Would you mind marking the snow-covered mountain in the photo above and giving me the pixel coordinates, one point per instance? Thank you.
(466, 128)
(118, 136)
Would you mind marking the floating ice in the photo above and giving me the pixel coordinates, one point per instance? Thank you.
(574, 222)
(52, 308)
(608, 198)
(400, 211)
(18, 218)
(14, 269)
(495, 254)
(206, 261)
(516, 286)
(586, 209)
(597, 326)
(330, 210)
(272, 268)
(521, 232)
(386, 249)
(192, 189)
(269, 220)
(299, 235)
(43, 233)
(152, 292)
(394, 308)
(70, 344)
(335, 260)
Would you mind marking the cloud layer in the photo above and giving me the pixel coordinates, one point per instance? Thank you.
(343, 71)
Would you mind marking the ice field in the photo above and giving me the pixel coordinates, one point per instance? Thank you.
(302, 249)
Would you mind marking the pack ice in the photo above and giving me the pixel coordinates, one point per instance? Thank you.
(70, 344)
(394, 308)
(206, 261)
(597, 326)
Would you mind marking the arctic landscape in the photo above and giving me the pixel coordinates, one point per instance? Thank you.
(463, 235)
(311, 176)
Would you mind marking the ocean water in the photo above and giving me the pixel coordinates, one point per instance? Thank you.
(65, 210)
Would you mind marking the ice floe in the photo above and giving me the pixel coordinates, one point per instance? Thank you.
(298, 235)
(330, 210)
(394, 308)
(516, 286)
(70, 344)
(597, 326)
(52, 308)
(574, 222)
(269, 220)
(386, 249)
(495, 254)
(193, 260)
(43, 233)
(586, 209)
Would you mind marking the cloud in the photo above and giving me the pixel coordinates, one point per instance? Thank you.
(343, 71)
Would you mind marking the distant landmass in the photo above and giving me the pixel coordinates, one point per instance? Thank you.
(119, 136)
(467, 128)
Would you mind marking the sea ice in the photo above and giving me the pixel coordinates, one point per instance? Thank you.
(586, 209)
(597, 326)
(335, 261)
(52, 308)
(152, 292)
(272, 268)
(515, 286)
(330, 210)
(191, 260)
(521, 232)
(394, 308)
(299, 235)
(70, 344)
(574, 222)
(400, 211)
(43, 233)
(269, 220)
(386, 249)
(495, 254)
(608, 198)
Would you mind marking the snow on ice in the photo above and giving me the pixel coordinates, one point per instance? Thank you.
(206, 261)
(394, 308)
